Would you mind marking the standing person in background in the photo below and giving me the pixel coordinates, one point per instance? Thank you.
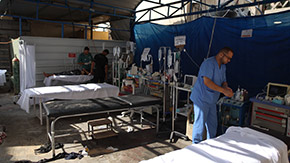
(210, 83)
(100, 65)
(85, 60)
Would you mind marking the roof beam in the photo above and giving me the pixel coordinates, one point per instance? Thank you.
(212, 10)
(158, 3)
(212, 6)
(182, 5)
(162, 5)
(226, 3)
(84, 10)
(60, 22)
(104, 5)
(38, 10)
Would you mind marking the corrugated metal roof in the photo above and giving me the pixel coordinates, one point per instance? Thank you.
(72, 11)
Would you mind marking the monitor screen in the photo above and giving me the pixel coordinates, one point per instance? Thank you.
(190, 80)
(277, 90)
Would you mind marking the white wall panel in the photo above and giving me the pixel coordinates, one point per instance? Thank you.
(51, 54)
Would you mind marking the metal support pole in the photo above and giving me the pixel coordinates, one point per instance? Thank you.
(190, 7)
(164, 85)
(90, 18)
(62, 30)
(34, 107)
(92, 29)
(20, 26)
(47, 128)
(40, 111)
(37, 8)
(86, 34)
(52, 137)
(157, 122)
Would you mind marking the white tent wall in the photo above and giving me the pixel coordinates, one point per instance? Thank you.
(51, 54)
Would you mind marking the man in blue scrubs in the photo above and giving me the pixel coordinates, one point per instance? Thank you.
(210, 83)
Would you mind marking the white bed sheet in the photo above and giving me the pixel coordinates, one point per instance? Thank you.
(236, 145)
(53, 80)
(82, 91)
(2, 77)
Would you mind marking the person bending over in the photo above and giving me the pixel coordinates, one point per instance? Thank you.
(210, 83)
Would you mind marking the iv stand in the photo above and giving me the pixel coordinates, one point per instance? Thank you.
(175, 93)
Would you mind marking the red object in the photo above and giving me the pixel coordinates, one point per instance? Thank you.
(71, 55)
(271, 110)
(269, 116)
(15, 59)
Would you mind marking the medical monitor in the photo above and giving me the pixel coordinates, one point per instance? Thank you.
(190, 80)
(275, 89)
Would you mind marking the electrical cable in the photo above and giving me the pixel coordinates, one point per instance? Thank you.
(191, 58)
(212, 32)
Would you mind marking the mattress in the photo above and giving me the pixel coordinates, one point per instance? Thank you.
(58, 108)
(236, 145)
(76, 79)
(82, 91)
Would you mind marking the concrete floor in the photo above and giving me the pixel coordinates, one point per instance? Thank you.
(24, 134)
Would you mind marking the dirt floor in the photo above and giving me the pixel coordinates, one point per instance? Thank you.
(25, 134)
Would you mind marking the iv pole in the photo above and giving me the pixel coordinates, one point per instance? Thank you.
(177, 58)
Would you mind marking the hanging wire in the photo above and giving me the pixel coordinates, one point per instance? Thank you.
(212, 33)
(191, 58)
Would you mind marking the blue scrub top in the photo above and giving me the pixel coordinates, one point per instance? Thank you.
(201, 94)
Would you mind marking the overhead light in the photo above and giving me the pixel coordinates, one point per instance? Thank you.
(277, 22)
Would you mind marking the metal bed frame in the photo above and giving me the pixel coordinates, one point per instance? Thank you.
(51, 126)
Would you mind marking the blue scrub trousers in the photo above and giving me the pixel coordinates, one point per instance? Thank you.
(205, 115)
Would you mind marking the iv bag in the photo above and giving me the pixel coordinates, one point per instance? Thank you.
(174, 56)
(118, 51)
(159, 55)
(114, 51)
(169, 60)
(169, 51)
(176, 67)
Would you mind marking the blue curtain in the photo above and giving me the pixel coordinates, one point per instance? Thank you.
(262, 58)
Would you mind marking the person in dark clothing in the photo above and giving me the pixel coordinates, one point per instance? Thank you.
(100, 63)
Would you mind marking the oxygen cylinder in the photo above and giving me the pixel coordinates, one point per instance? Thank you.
(16, 75)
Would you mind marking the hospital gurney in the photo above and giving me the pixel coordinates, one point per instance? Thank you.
(74, 79)
(82, 91)
(60, 109)
(236, 145)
